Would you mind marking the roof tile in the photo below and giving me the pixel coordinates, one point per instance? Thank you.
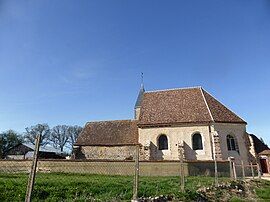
(219, 112)
(103, 133)
(188, 105)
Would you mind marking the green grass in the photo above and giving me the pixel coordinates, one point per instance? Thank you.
(85, 187)
(263, 190)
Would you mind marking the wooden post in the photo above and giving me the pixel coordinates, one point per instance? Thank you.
(216, 173)
(31, 180)
(252, 171)
(243, 169)
(259, 171)
(182, 171)
(234, 171)
(182, 176)
(231, 168)
(136, 174)
(215, 158)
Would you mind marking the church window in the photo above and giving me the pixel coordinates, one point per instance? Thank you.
(232, 143)
(162, 142)
(197, 142)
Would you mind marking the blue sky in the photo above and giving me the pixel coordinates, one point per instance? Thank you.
(69, 62)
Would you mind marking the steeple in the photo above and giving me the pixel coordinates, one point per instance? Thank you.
(138, 103)
(140, 95)
(139, 98)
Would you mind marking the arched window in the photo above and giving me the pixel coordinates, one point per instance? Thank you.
(232, 143)
(197, 142)
(163, 142)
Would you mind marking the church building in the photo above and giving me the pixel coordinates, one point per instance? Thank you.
(166, 123)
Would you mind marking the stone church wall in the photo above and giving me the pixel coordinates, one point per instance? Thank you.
(105, 152)
(239, 132)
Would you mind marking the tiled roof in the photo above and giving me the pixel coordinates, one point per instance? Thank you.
(109, 133)
(258, 144)
(219, 112)
(265, 152)
(187, 105)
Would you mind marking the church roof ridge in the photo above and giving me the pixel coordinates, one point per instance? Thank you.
(171, 89)
(207, 105)
(224, 105)
(118, 120)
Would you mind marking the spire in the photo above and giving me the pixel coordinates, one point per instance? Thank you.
(140, 95)
(142, 80)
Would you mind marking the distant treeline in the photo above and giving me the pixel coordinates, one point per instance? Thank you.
(60, 137)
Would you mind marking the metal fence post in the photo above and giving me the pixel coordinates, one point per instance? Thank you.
(136, 174)
(31, 180)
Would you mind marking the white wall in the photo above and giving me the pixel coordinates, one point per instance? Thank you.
(175, 135)
(184, 133)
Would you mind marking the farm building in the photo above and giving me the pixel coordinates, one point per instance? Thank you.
(167, 121)
(262, 153)
(264, 157)
(26, 151)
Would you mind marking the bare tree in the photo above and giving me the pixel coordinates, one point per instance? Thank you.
(33, 131)
(74, 132)
(9, 139)
(59, 136)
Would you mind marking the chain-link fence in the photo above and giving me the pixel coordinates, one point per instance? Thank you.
(63, 180)
(85, 180)
(245, 170)
(116, 180)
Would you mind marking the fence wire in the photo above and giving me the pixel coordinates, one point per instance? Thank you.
(243, 171)
(114, 179)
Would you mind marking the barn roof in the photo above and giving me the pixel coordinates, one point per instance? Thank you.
(43, 148)
(186, 105)
(109, 133)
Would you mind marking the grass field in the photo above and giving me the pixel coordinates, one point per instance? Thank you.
(79, 187)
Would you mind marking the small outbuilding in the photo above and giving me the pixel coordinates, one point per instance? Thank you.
(261, 152)
(265, 161)
(26, 151)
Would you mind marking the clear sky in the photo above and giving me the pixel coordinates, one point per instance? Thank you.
(69, 62)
